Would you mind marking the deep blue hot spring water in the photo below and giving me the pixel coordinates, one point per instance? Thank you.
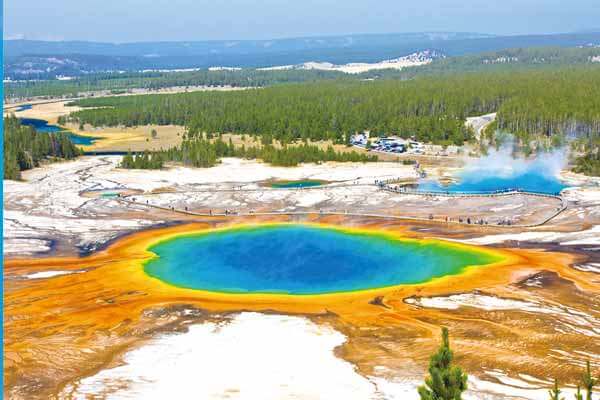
(304, 259)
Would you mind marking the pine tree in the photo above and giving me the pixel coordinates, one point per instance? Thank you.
(588, 381)
(231, 149)
(446, 381)
(127, 161)
(555, 392)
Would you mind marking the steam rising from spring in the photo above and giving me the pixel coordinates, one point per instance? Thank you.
(502, 164)
(501, 171)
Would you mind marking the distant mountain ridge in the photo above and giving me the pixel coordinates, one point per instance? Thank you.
(26, 60)
(20, 47)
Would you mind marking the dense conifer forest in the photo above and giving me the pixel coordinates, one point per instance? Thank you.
(432, 109)
(513, 59)
(24, 148)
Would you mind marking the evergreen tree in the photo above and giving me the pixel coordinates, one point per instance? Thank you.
(24, 148)
(446, 381)
(127, 161)
(555, 392)
(588, 381)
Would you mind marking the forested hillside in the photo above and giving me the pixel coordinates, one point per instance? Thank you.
(511, 59)
(433, 109)
(24, 148)
(514, 59)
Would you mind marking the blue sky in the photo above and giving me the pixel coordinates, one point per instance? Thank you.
(151, 20)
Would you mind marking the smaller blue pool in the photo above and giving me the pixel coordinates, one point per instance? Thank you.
(304, 183)
(42, 126)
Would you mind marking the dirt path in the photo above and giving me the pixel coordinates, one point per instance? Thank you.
(478, 124)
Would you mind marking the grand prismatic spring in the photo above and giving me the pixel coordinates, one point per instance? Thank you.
(301, 259)
(366, 281)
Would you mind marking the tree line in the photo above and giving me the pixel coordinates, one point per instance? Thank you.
(509, 59)
(203, 153)
(121, 82)
(146, 160)
(24, 148)
(432, 109)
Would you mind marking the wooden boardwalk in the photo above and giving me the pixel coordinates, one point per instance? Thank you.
(131, 199)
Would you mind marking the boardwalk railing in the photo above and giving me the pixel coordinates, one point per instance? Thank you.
(131, 199)
(394, 186)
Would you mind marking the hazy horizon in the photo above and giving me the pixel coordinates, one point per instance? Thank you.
(19, 37)
(188, 20)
